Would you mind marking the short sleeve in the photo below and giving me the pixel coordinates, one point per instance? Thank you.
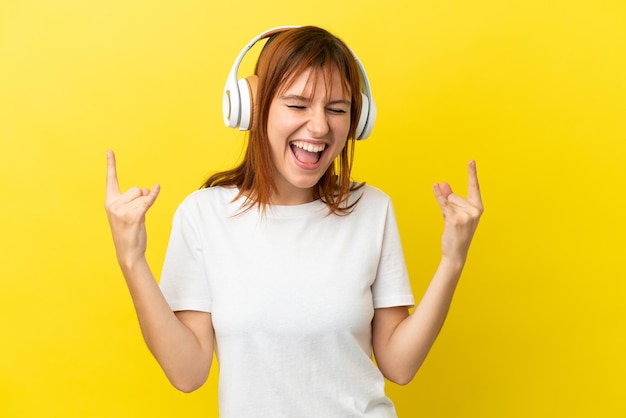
(183, 278)
(392, 286)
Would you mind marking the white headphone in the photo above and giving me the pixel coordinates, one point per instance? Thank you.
(237, 99)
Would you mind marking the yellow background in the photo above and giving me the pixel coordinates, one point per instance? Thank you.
(535, 91)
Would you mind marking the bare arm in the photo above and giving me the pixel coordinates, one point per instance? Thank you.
(181, 342)
(402, 341)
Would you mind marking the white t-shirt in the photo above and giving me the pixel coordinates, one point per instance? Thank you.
(292, 294)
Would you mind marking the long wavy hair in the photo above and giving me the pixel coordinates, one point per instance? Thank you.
(284, 57)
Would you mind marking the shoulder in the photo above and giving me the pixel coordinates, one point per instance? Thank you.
(370, 196)
(208, 199)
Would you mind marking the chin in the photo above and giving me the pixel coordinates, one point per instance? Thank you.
(305, 183)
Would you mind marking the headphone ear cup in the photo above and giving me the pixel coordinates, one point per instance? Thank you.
(247, 92)
(244, 95)
(231, 103)
(366, 121)
(371, 118)
(362, 117)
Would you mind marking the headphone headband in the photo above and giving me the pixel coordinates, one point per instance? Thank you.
(237, 99)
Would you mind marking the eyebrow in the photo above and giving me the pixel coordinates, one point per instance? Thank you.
(307, 100)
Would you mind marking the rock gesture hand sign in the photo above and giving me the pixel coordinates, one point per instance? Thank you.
(460, 215)
(127, 213)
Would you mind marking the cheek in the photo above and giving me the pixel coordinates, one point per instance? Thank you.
(339, 146)
(275, 131)
(281, 124)
(342, 129)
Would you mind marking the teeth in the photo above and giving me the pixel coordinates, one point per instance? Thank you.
(307, 146)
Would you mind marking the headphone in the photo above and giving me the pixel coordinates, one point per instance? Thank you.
(237, 102)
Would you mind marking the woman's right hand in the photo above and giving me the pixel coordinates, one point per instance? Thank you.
(182, 342)
(127, 214)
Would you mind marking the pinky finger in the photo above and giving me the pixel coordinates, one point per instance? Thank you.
(152, 195)
(439, 196)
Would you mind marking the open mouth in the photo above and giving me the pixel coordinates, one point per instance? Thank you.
(307, 152)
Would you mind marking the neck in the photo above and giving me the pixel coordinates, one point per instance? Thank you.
(296, 197)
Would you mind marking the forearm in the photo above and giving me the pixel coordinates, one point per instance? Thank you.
(401, 341)
(409, 344)
(183, 358)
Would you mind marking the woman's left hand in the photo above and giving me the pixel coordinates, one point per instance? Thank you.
(460, 215)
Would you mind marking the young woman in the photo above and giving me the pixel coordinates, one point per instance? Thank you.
(285, 268)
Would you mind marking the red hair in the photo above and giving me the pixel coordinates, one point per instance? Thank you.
(286, 56)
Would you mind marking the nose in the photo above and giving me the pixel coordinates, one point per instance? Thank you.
(318, 122)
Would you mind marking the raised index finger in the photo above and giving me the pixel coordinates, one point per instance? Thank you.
(112, 187)
(473, 188)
